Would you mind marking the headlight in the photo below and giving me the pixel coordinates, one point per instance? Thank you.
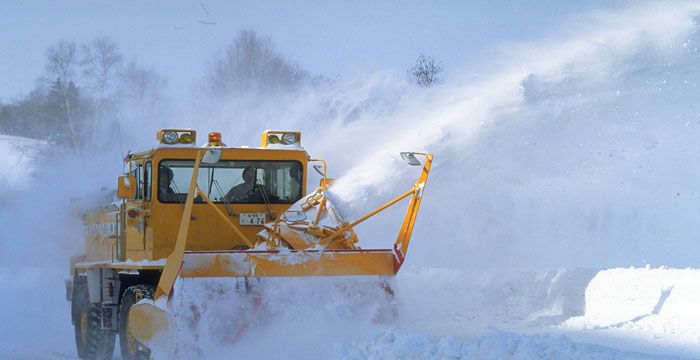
(186, 138)
(273, 139)
(288, 139)
(170, 137)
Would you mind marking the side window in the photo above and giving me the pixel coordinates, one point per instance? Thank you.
(139, 181)
(135, 174)
(147, 181)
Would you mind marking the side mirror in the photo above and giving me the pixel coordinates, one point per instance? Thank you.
(410, 158)
(322, 170)
(211, 156)
(126, 187)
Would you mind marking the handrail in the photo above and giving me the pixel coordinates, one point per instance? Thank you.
(174, 261)
(404, 237)
(367, 216)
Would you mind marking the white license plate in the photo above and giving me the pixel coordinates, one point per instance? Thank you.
(252, 218)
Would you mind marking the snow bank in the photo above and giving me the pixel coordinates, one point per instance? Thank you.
(642, 309)
(495, 346)
(631, 294)
(657, 307)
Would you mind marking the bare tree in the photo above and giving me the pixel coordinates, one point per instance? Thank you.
(61, 67)
(83, 87)
(251, 63)
(62, 61)
(140, 85)
(101, 59)
(425, 72)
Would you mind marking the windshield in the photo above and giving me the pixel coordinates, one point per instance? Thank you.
(229, 181)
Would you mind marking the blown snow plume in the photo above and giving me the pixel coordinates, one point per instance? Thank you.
(557, 154)
(572, 149)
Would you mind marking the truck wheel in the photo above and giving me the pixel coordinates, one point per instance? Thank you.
(131, 348)
(92, 342)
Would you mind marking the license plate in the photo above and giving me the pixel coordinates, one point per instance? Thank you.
(252, 218)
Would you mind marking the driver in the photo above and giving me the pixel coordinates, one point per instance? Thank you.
(245, 191)
(165, 186)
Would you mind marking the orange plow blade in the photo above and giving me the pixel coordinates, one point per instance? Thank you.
(251, 263)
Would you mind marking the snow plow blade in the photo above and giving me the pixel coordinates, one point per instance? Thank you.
(289, 263)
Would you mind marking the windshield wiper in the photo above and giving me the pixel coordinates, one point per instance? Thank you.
(266, 199)
(211, 181)
(222, 197)
(178, 194)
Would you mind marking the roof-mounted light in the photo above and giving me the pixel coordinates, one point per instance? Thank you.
(289, 138)
(177, 136)
(215, 139)
(281, 139)
(170, 137)
(186, 138)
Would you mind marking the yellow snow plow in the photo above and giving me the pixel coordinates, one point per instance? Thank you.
(244, 214)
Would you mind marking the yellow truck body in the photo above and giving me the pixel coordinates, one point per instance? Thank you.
(212, 211)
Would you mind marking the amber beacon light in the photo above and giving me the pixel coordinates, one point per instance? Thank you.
(215, 138)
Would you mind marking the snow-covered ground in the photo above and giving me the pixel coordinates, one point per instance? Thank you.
(449, 313)
(624, 313)
(646, 310)
(574, 159)
(496, 345)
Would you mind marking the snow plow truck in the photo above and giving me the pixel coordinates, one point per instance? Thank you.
(213, 211)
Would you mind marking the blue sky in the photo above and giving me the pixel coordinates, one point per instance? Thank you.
(330, 38)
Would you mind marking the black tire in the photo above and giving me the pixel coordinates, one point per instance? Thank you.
(77, 303)
(91, 341)
(131, 348)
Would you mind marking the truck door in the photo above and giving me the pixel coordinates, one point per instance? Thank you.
(137, 228)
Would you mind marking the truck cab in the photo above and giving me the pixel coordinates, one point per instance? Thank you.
(249, 185)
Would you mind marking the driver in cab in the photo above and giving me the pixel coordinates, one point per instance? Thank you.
(247, 191)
